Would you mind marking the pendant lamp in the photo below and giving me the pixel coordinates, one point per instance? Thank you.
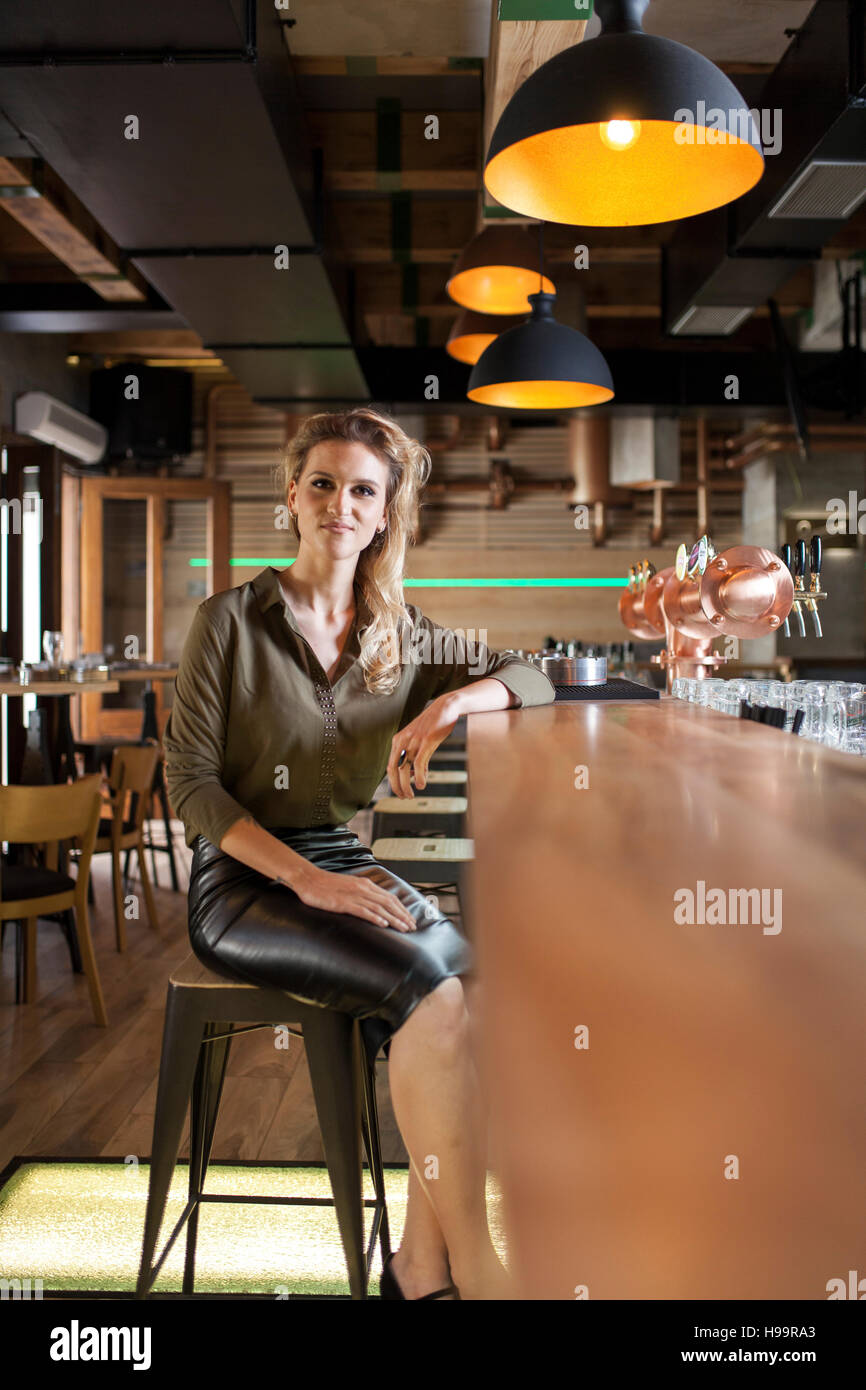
(541, 365)
(497, 272)
(623, 130)
(472, 333)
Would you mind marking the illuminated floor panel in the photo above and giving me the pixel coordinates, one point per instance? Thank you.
(78, 1227)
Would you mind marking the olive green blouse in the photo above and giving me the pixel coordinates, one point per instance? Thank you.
(257, 728)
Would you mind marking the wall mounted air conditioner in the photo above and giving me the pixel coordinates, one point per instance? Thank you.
(52, 422)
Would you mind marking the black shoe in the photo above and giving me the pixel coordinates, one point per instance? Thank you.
(389, 1288)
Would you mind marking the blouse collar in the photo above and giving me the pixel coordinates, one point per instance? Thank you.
(268, 591)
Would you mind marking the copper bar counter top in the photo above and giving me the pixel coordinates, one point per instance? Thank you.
(709, 1139)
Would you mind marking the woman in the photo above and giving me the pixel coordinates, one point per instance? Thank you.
(295, 693)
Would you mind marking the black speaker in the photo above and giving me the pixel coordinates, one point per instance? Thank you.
(146, 410)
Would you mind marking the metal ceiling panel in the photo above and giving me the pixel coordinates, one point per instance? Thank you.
(286, 376)
(221, 164)
(105, 24)
(208, 168)
(30, 307)
(244, 299)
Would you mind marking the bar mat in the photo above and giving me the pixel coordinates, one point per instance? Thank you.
(615, 689)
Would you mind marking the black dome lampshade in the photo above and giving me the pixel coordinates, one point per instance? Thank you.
(541, 365)
(623, 130)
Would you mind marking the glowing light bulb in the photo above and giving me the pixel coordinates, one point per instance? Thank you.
(619, 135)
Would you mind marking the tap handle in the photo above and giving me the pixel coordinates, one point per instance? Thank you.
(800, 559)
(815, 556)
(787, 556)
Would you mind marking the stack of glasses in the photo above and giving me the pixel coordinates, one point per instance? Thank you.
(831, 712)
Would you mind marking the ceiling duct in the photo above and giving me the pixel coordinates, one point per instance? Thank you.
(719, 267)
(199, 190)
(825, 189)
(711, 320)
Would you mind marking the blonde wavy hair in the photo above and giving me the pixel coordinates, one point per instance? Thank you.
(379, 572)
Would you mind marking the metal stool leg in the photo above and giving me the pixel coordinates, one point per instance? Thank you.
(181, 1044)
(331, 1042)
(370, 1124)
(206, 1093)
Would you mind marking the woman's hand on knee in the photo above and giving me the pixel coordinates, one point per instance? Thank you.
(352, 894)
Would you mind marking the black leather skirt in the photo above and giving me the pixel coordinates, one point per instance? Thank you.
(249, 928)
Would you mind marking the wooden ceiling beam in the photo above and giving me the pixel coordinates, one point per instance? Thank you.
(609, 290)
(165, 342)
(365, 151)
(309, 65)
(31, 192)
(326, 66)
(517, 49)
(434, 231)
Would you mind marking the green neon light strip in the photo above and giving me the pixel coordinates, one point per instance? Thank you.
(484, 582)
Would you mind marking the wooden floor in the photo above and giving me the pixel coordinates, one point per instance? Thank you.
(69, 1089)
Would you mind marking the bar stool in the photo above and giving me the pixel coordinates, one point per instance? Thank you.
(456, 740)
(202, 1009)
(448, 757)
(428, 816)
(421, 862)
(445, 781)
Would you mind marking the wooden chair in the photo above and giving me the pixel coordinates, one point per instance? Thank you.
(45, 816)
(133, 768)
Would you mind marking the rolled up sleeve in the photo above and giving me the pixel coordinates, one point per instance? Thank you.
(195, 733)
(452, 660)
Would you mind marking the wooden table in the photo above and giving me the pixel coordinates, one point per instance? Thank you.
(710, 1047)
(43, 762)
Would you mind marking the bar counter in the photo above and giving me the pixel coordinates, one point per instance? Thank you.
(709, 1141)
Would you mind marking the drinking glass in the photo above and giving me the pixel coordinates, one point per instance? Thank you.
(680, 688)
(817, 710)
(840, 690)
(774, 695)
(757, 691)
(707, 690)
(738, 687)
(851, 735)
(727, 700)
(52, 646)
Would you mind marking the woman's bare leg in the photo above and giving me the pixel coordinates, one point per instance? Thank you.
(437, 1105)
(421, 1263)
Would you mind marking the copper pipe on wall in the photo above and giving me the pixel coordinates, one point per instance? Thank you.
(482, 484)
(702, 527)
(657, 526)
(497, 433)
(777, 446)
(739, 441)
(589, 455)
(599, 523)
(440, 446)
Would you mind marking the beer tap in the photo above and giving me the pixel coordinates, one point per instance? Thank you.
(815, 591)
(799, 583)
(787, 557)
